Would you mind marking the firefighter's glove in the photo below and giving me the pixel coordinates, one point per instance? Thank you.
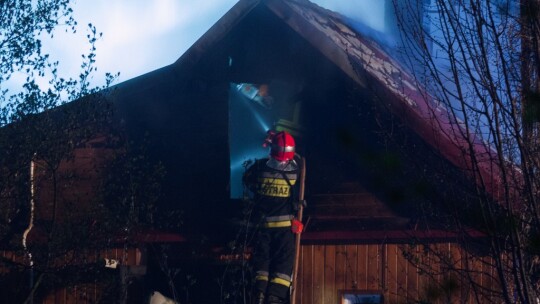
(296, 226)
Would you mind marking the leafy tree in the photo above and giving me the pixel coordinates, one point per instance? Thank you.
(480, 62)
(23, 25)
(44, 142)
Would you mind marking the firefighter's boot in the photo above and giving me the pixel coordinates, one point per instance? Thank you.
(257, 298)
(272, 299)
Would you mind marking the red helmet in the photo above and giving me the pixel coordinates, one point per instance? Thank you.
(282, 146)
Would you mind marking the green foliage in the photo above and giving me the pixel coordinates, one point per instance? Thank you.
(51, 136)
(33, 99)
(39, 125)
(132, 187)
(22, 24)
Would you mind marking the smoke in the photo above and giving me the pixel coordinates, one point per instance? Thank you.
(248, 123)
(369, 12)
(374, 19)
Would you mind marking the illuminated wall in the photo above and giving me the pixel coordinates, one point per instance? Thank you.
(253, 110)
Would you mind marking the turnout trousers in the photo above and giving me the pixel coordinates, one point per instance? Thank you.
(273, 261)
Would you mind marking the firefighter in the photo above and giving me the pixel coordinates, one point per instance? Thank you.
(271, 181)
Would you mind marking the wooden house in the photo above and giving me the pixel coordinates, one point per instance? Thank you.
(378, 151)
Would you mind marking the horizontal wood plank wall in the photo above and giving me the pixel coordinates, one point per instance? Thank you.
(91, 292)
(402, 273)
(88, 292)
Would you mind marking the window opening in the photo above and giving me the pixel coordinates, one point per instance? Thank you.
(253, 110)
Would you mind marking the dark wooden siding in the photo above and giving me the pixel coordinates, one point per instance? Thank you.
(325, 270)
(90, 292)
(77, 182)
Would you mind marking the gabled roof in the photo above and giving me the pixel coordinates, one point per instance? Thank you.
(371, 67)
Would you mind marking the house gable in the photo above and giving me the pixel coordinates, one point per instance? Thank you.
(373, 160)
(362, 130)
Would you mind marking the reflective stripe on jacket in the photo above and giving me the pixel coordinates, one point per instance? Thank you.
(276, 184)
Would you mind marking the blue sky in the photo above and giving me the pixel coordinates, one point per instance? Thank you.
(140, 36)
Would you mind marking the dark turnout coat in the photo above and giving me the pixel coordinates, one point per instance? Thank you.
(274, 195)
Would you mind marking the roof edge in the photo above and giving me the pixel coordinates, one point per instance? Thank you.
(319, 41)
(217, 32)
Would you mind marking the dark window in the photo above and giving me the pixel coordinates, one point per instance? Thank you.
(360, 297)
